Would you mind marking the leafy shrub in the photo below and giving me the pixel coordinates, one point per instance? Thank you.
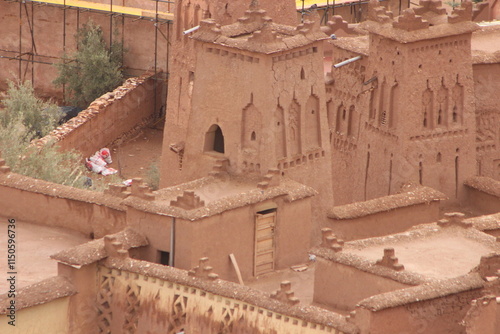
(37, 116)
(95, 69)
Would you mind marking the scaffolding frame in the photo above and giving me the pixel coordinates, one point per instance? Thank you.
(157, 20)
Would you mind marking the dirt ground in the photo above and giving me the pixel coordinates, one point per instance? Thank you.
(134, 157)
(34, 245)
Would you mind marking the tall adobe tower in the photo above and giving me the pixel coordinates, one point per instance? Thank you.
(418, 123)
(258, 104)
(188, 14)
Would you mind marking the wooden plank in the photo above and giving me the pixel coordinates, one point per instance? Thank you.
(236, 268)
(264, 243)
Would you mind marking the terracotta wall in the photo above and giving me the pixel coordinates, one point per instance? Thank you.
(164, 299)
(81, 309)
(483, 316)
(487, 118)
(53, 33)
(111, 116)
(49, 318)
(483, 194)
(435, 316)
(45, 203)
(158, 228)
(341, 287)
(386, 222)
(232, 232)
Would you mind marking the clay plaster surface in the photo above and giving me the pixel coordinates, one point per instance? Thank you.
(34, 245)
(134, 157)
(439, 256)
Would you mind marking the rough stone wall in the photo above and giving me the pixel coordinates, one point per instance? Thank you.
(483, 316)
(109, 117)
(53, 34)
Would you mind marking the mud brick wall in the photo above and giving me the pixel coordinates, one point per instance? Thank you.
(435, 316)
(385, 215)
(40, 202)
(140, 297)
(483, 194)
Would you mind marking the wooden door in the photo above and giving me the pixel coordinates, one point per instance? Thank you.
(264, 243)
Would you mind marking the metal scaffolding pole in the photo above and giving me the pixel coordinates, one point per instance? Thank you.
(156, 58)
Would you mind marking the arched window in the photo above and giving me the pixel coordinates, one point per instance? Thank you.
(214, 139)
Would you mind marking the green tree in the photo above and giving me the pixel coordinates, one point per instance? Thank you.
(21, 104)
(95, 69)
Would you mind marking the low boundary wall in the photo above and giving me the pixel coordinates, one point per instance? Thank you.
(41, 202)
(109, 117)
(385, 215)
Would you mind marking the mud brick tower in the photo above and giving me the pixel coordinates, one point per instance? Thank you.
(188, 14)
(417, 120)
(257, 104)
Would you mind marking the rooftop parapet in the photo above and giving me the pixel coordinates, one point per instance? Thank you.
(422, 292)
(412, 196)
(99, 249)
(411, 26)
(256, 32)
(39, 293)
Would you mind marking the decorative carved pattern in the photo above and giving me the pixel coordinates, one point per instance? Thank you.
(203, 270)
(178, 316)
(279, 123)
(104, 298)
(312, 121)
(442, 104)
(131, 308)
(285, 294)
(409, 21)
(428, 102)
(454, 219)
(227, 322)
(487, 127)
(390, 260)
(188, 201)
(294, 128)
(251, 127)
(329, 240)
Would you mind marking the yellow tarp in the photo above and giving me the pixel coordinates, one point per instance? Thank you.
(309, 3)
(105, 7)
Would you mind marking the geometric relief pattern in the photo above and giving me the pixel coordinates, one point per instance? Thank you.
(227, 321)
(428, 106)
(487, 127)
(131, 308)
(312, 123)
(104, 297)
(177, 319)
(294, 128)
